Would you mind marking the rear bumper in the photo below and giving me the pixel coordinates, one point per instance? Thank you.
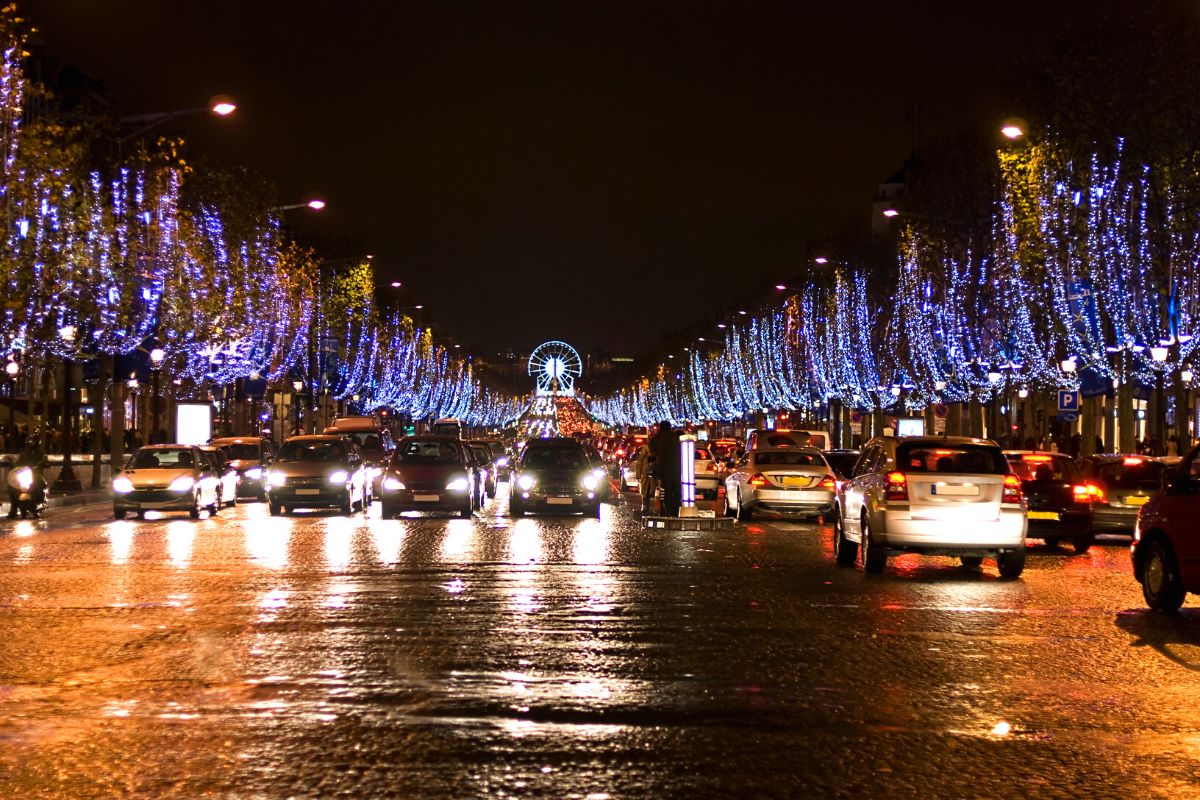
(1114, 520)
(1071, 522)
(899, 530)
(790, 501)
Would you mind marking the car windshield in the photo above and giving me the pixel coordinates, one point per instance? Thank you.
(1044, 468)
(791, 459)
(312, 451)
(555, 458)
(482, 454)
(963, 459)
(427, 452)
(242, 452)
(1140, 475)
(366, 440)
(163, 458)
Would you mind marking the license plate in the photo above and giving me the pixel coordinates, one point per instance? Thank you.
(1136, 501)
(308, 491)
(559, 501)
(795, 480)
(1050, 515)
(426, 498)
(955, 489)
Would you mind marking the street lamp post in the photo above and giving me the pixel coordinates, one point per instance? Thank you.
(12, 369)
(1159, 355)
(297, 388)
(67, 481)
(220, 105)
(156, 359)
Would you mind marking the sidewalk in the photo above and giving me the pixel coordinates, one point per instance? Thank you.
(83, 498)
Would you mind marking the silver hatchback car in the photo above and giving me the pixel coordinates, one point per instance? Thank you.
(935, 495)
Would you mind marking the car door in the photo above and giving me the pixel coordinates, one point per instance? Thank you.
(1180, 507)
(853, 489)
(736, 478)
(207, 475)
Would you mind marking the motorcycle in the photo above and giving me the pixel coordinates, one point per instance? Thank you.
(26, 492)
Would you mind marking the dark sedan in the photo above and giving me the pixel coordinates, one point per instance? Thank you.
(555, 475)
(1060, 501)
(429, 473)
(315, 472)
(1126, 483)
(250, 456)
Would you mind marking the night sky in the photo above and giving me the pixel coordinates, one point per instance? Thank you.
(598, 172)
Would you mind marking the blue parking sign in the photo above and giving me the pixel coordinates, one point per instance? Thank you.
(1068, 400)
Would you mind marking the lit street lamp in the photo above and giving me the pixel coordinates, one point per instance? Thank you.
(156, 359)
(67, 482)
(316, 204)
(297, 388)
(220, 106)
(12, 369)
(1159, 355)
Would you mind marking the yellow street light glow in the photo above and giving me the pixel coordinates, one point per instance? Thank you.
(224, 109)
(1012, 131)
(316, 205)
(12, 368)
(821, 260)
(891, 212)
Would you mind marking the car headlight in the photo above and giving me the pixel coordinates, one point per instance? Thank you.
(122, 485)
(391, 484)
(182, 484)
(374, 472)
(526, 482)
(276, 479)
(599, 473)
(502, 461)
(339, 476)
(590, 483)
(458, 485)
(25, 479)
(254, 473)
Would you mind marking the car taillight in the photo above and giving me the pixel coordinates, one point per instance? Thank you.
(895, 487)
(758, 479)
(711, 467)
(1096, 493)
(1081, 493)
(1012, 489)
(827, 483)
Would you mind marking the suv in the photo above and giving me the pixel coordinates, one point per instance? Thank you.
(785, 437)
(1124, 483)
(555, 475)
(1166, 539)
(936, 495)
(372, 440)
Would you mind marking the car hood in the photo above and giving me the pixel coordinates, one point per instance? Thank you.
(309, 469)
(155, 478)
(558, 476)
(426, 473)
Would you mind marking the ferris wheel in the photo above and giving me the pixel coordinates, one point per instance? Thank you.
(555, 365)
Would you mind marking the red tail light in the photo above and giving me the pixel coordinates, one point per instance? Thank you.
(1095, 493)
(1131, 461)
(711, 468)
(620, 451)
(1012, 489)
(827, 483)
(758, 479)
(896, 487)
(1080, 491)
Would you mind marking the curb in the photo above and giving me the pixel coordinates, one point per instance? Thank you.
(81, 499)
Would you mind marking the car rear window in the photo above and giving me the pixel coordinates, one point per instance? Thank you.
(427, 452)
(1142, 475)
(842, 463)
(1044, 468)
(965, 459)
(788, 459)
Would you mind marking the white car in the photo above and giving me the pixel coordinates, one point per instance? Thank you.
(934, 495)
(166, 477)
(786, 480)
(708, 474)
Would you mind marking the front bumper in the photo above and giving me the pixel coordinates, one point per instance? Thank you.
(250, 487)
(790, 501)
(153, 500)
(560, 502)
(418, 500)
(899, 530)
(308, 497)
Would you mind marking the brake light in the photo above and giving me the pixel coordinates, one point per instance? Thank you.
(758, 479)
(1035, 458)
(1012, 489)
(1095, 493)
(1132, 461)
(711, 467)
(895, 487)
(1082, 495)
(620, 451)
(828, 483)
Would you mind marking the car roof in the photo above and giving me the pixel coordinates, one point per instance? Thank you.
(943, 440)
(1036, 453)
(239, 440)
(315, 437)
(806, 450)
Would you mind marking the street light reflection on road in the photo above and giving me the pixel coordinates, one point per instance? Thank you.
(180, 538)
(388, 540)
(456, 545)
(120, 542)
(267, 541)
(339, 535)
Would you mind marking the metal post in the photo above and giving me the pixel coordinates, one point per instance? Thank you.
(67, 482)
(687, 472)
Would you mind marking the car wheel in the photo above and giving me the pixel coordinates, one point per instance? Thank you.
(1083, 542)
(194, 511)
(275, 509)
(744, 514)
(347, 506)
(467, 512)
(971, 562)
(233, 500)
(1012, 563)
(141, 515)
(216, 505)
(844, 551)
(1162, 585)
(1051, 541)
(119, 513)
(726, 509)
(516, 511)
(874, 558)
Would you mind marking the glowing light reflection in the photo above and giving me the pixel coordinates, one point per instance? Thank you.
(120, 542)
(267, 541)
(180, 538)
(456, 545)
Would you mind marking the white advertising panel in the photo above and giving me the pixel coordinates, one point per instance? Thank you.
(193, 423)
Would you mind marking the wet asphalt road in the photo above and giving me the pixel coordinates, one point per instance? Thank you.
(319, 656)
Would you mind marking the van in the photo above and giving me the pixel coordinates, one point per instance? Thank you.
(447, 427)
(785, 437)
(373, 439)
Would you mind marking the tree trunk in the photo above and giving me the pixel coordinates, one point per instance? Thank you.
(1089, 425)
(1125, 417)
(116, 436)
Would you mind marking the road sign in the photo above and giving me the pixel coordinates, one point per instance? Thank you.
(940, 410)
(856, 417)
(1068, 416)
(1068, 400)
(939, 424)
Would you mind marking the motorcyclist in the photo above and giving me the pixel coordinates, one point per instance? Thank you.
(32, 457)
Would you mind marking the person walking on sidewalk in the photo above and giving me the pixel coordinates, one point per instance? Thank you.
(665, 447)
(647, 483)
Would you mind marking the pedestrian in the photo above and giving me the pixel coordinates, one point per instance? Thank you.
(665, 447)
(1099, 444)
(647, 483)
